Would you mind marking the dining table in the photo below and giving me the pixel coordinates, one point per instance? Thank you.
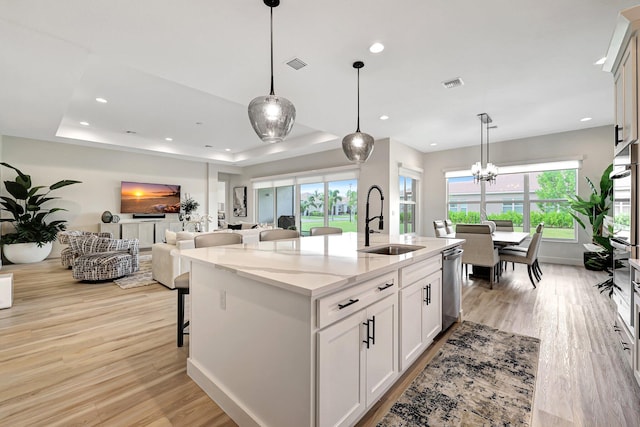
(500, 238)
(508, 238)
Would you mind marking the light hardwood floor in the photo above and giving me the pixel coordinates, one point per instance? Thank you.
(93, 354)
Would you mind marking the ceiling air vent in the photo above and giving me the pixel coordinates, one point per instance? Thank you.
(450, 84)
(296, 63)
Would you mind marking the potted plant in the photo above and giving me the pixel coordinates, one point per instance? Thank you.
(33, 236)
(188, 206)
(595, 209)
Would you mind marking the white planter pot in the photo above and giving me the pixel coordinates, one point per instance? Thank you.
(24, 253)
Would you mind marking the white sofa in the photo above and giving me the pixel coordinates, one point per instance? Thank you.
(166, 262)
(165, 257)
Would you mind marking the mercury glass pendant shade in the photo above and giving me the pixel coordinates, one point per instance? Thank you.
(358, 146)
(272, 116)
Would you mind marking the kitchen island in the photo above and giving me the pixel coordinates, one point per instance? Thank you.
(310, 331)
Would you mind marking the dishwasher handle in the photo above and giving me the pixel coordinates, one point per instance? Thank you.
(452, 254)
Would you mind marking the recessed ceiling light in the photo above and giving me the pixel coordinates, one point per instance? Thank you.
(227, 149)
(84, 123)
(168, 139)
(600, 61)
(384, 117)
(585, 119)
(101, 100)
(376, 47)
(433, 144)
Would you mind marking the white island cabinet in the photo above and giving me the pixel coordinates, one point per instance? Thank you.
(303, 332)
(421, 307)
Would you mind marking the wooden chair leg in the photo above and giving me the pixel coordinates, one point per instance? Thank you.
(491, 273)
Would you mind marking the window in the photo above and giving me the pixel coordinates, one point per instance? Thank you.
(408, 192)
(332, 203)
(274, 204)
(527, 195)
(325, 199)
(311, 206)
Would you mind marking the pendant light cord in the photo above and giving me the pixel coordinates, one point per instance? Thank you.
(272, 91)
(358, 126)
(481, 148)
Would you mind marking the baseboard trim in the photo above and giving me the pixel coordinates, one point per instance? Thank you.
(223, 399)
(563, 261)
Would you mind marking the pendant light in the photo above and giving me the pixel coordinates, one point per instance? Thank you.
(358, 146)
(272, 116)
(484, 171)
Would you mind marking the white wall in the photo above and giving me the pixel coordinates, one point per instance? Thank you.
(100, 171)
(595, 145)
(409, 158)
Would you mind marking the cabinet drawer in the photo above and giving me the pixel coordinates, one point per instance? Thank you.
(343, 303)
(417, 271)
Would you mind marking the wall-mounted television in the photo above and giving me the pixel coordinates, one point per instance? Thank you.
(145, 198)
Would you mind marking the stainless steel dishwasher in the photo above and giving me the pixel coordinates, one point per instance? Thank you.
(451, 285)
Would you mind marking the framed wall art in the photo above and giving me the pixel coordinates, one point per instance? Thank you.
(240, 201)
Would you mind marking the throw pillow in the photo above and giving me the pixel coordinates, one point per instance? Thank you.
(170, 237)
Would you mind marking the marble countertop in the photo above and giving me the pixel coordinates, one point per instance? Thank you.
(316, 265)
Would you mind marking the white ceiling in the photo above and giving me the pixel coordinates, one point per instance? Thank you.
(165, 66)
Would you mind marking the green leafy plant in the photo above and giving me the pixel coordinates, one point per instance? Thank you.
(595, 209)
(26, 209)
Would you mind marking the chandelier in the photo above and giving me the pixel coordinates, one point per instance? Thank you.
(484, 170)
(271, 116)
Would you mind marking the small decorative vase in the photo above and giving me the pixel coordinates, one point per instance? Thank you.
(26, 253)
(106, 217)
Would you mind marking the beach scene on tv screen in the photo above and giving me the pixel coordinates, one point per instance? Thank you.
(137, 197)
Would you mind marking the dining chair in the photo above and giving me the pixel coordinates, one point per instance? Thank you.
(320, 231)
(537, 271)
(278, 234)
(448, 225)
(479, 249)
(181, 282)
(439, 228)
(491, 224)
(503, 224)
(530, 257)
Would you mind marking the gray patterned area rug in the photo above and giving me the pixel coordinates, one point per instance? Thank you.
(481, 377)
(142, 277)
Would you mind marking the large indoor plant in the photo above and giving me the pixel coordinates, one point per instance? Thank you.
(33, 236)
(595, 209)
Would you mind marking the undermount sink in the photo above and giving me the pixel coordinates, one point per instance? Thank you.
(392, 249)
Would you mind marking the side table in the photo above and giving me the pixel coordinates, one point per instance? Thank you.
(6, 290)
